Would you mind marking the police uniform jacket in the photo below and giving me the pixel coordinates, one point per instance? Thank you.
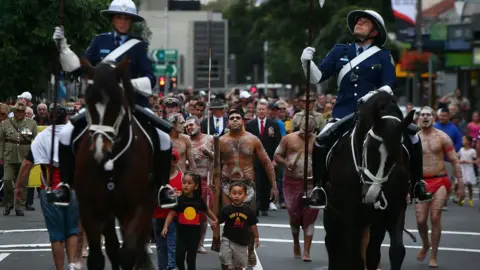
(15, 139)
(374, 72)
(140, 64)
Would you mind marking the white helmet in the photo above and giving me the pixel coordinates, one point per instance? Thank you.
(126, 7)
(354, 15)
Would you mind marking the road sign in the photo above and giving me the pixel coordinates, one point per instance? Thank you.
(161, 55)
(165, 70)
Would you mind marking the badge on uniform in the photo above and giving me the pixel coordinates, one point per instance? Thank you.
(271, 132)
(104, 51)
(344, 59)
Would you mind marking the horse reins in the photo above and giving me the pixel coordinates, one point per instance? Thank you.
(374, 181)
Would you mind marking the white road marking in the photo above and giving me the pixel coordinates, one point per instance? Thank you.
(259, 264)
(41, 247)
(266, 225)
(3, 256)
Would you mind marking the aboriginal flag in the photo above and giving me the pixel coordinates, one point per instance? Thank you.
(405, 12)
(189, 216)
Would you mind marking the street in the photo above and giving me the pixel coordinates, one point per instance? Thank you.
(24, 243)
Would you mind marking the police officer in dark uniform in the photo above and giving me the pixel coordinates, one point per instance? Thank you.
(360, 67)
(122, 13)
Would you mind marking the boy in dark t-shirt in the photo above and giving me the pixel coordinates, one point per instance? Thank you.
(239, 219)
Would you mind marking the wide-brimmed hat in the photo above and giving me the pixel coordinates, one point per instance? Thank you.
(19, 106)
(125, 7)
(217, 104)
(354, 15)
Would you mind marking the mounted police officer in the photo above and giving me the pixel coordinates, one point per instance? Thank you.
(122, 13)
(360, 68)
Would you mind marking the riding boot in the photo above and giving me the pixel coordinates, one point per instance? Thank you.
(161, 158)
(420, 191)
(323, 143)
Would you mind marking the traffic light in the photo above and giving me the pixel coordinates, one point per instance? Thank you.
(173, 83)
(253, 89)
(161, 82)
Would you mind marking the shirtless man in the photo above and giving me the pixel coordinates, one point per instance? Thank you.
(202, 151)
(181, 142)
(436, 144)
(291, 154)
(238, 150)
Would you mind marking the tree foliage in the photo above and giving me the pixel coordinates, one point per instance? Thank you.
(284, 24)
(28, 55)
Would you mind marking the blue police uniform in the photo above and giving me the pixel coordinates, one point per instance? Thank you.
(373, 73)
(140, 66)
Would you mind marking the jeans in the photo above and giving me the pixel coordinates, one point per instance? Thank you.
(279, 174)
(165, 246)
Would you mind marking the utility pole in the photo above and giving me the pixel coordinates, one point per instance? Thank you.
(417, 82)
(265, 68)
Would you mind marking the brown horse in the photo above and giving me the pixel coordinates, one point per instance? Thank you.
(114, 159)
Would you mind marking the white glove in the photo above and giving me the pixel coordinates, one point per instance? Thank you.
(307, 55)
(143, 86)
(68, 59)
(367, 96)
(58, 34)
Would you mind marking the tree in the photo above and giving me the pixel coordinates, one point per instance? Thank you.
(28, 55)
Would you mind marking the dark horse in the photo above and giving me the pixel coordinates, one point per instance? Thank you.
(371, 153)
(114, 159)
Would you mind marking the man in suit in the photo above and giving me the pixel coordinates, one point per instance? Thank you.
(268, 131)
(218, 121)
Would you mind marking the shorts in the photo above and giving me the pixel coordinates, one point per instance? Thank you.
(225, 186)
(233, 254)
(61, 222)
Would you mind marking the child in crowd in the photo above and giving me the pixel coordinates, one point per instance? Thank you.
(467, 156)
(239, 220)
(188, 210)
(166, 245)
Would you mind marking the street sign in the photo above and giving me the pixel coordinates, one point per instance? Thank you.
(165, 70)
(161, 55)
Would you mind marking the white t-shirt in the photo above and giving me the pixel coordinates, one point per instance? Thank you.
(41, 145)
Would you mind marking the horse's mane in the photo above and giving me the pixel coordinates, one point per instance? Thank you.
(107, 85)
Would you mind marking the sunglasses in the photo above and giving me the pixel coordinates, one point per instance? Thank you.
(235, 118)
(425, 114)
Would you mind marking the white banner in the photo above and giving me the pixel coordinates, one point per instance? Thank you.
(405, 10)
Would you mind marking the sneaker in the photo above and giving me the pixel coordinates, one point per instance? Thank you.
(470, 203)
(273, 207)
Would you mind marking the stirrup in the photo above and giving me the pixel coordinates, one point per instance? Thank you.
(171, 196)
(64, 204)
(326, 199)
(417, 201)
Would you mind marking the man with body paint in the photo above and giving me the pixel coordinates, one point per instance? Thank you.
(291, 154)
(436, 144)
(202, 151)
(181, 143)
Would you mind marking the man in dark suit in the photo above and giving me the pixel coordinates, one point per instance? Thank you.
(268, 131)
(218, 121)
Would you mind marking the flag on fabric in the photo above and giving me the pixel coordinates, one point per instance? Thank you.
(405, 13)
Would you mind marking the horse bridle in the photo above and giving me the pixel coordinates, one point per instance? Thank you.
(111, 132)
(374, 180)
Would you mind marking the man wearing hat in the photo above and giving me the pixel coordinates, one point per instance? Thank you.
(362, 68)
(297, 118)
(172, 105)
(104, 47)
(16, 135)
(218, 123)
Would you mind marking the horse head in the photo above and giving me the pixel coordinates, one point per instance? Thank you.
(108, 101)
(384, 126)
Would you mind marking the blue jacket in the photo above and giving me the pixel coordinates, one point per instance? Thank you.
(376, 71)
(453, 132)
(140, 65)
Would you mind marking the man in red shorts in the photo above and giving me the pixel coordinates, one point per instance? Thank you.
(202, 152)
(436, 144)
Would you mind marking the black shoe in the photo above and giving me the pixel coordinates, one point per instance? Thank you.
(7, 210)
(167, 197)
(62, 196)
(19, 213)
(29, 208)
(318, 198)
(421, 193)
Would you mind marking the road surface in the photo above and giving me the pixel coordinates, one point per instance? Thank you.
(24, 243)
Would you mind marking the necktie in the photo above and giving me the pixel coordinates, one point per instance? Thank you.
(217, 125)
(262, 127)
(118, 39)
(359, 51)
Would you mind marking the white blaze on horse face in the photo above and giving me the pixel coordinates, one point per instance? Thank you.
(99, 140)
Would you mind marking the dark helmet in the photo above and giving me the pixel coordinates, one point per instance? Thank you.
(61, 117)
